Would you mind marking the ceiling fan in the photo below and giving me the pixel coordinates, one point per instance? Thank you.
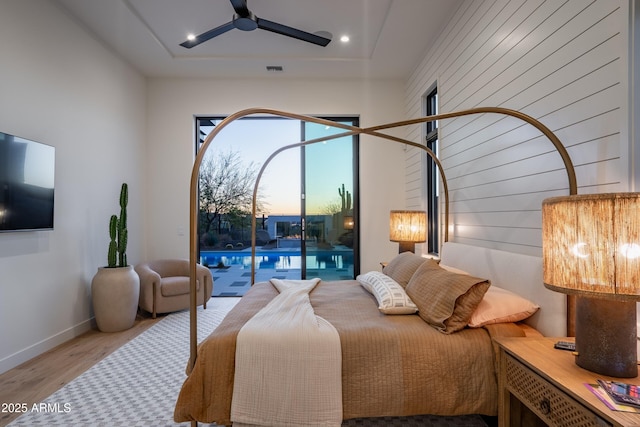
(245, 20)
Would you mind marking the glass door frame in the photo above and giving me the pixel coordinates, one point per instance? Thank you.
(355, 149)
(353, 120)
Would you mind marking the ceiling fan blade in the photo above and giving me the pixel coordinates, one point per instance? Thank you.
(208, 35)
(292, 32)
(240, 6)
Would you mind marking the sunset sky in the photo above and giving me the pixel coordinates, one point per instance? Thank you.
(328, 166)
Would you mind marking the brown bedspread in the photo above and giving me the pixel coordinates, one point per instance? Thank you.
(392, 365)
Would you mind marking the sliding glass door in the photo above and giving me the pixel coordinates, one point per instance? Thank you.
(329, 209)
(307, 209)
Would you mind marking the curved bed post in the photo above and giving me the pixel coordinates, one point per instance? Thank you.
(349, 131)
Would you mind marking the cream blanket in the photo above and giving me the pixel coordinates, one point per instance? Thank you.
(288, 364)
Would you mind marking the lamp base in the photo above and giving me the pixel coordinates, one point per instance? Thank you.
(406, 247)
(606, 340)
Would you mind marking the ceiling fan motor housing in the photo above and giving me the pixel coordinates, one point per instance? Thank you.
(245, 23)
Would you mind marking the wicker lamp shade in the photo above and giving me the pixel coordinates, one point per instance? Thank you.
(591, 245)
(408, 226)
(591, 248)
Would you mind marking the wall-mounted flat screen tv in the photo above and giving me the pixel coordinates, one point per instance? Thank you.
(26, 184)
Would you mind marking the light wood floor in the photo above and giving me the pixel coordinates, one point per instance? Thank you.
(36, 379)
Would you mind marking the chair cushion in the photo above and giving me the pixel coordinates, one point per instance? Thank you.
(175, 285)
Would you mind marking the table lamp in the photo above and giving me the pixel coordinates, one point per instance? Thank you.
(407, 228)
(591, 248)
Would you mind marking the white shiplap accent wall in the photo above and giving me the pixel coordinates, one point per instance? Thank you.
(562, 62)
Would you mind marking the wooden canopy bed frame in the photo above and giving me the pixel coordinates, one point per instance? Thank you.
(519, 273)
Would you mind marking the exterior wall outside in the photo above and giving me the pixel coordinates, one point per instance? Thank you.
(564, 63)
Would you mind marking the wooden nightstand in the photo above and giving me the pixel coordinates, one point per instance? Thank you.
(539, 385)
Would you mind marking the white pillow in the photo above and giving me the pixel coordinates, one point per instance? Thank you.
(391, 297)
(501, 306)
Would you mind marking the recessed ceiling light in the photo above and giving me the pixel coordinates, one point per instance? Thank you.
(344, 39)
(191, 37)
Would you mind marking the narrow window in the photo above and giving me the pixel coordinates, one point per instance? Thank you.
(432, 179)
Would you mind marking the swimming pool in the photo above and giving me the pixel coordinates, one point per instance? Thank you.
(289, 259)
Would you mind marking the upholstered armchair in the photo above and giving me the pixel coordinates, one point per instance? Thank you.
(164, 285)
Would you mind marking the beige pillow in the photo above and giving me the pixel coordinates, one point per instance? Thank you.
(445, 300)
(402, 267)
(391, 297)
(501, 306)
(452, 269)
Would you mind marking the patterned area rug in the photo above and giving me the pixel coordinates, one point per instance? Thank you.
(138, 384)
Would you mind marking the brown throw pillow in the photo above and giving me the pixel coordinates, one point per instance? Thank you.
(402, 267)
(445, 300)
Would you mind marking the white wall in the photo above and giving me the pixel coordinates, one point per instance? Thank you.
(173, 103)
(60, 87)
(564, 63)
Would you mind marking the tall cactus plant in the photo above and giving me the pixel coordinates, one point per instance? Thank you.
(113, 243)
(117, 254)
(122, 225)
(346, 199)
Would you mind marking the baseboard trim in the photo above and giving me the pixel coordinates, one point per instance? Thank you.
(19, 357)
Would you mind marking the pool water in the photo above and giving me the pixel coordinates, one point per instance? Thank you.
(277, 260)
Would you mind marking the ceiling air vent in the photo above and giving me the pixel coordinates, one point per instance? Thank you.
(275, 68)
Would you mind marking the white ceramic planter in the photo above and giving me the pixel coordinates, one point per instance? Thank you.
(115, 293)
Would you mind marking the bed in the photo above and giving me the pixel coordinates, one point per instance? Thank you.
(391, 364)
(440, 360)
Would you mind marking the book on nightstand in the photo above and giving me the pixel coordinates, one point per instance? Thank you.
(614, 404)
